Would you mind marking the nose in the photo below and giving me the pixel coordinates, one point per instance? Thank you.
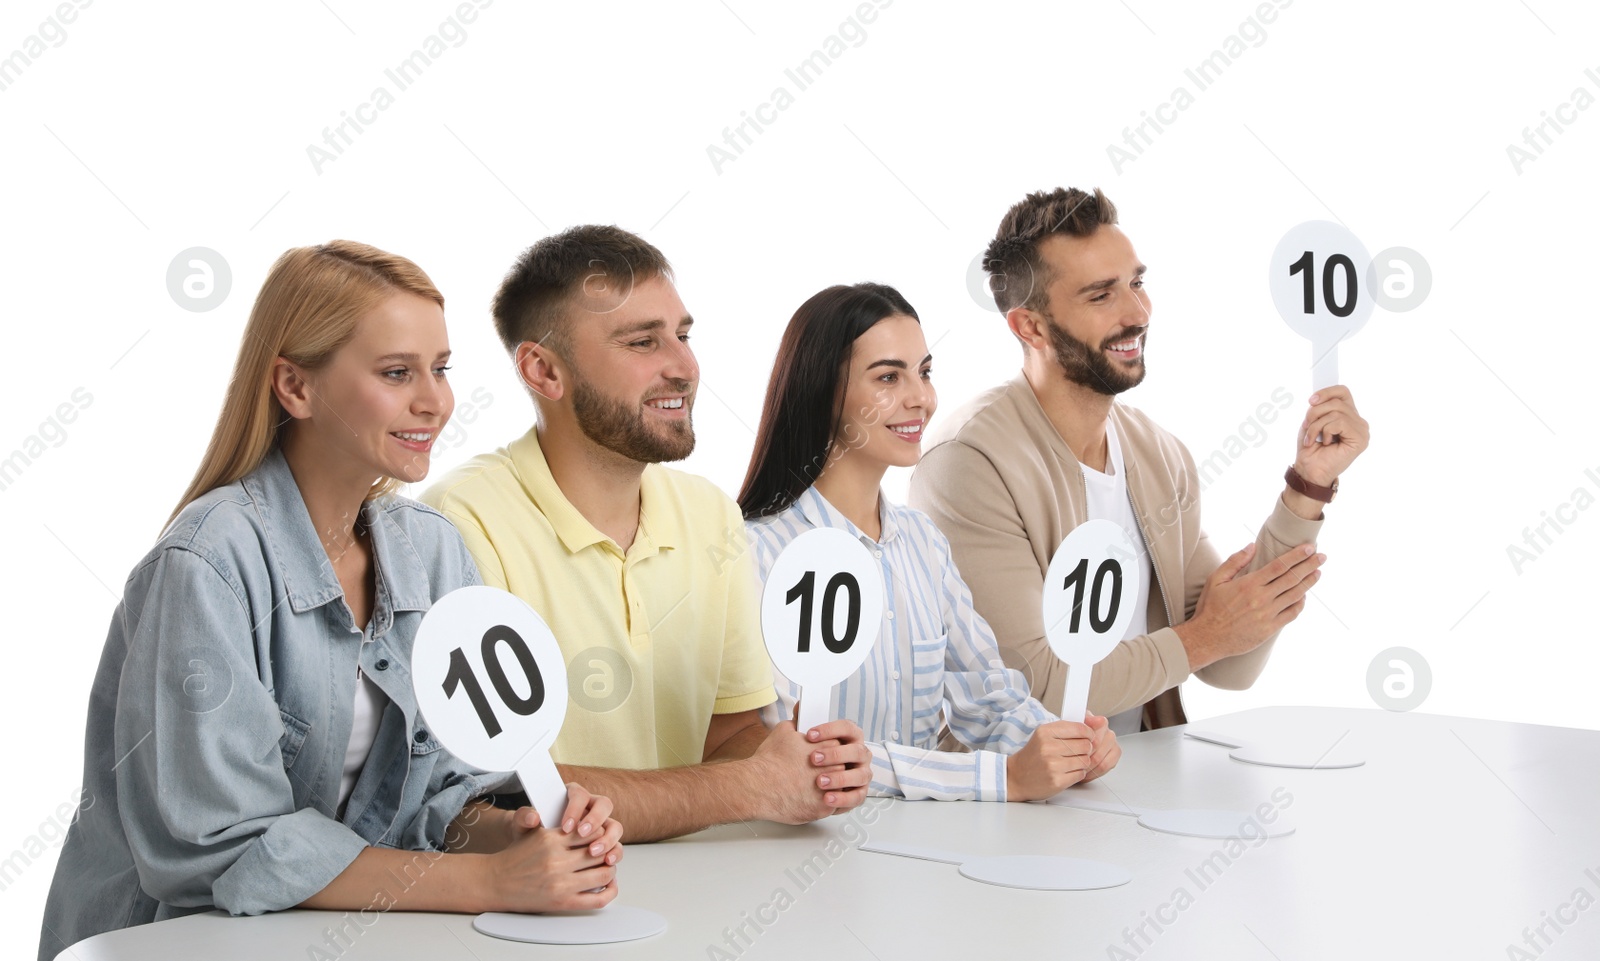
(433, 398)
(1141, 305)
(681, 363)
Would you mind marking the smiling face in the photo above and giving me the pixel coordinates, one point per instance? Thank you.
(888, 396)
(634, 376)
(380, 402)
(1099, 312)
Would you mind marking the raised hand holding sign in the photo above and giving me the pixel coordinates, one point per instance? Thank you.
(821, 612)
(1088, 603)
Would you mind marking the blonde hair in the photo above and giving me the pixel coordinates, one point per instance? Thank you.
(307, 309)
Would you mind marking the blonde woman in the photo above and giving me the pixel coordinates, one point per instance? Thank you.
(253, 743)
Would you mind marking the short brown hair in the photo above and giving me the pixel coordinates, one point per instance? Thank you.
(1017, 275)
(533, 299)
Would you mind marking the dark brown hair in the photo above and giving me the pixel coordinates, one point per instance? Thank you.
(801, 414)
(1017, 275)
(595, 261)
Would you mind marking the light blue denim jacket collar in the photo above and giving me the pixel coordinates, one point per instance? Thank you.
(302, 560)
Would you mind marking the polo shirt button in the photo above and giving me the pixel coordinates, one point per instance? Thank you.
(383, 664)
(890, 615)
(896, 675)
(894, 735)
(420, 736)
(877, 553)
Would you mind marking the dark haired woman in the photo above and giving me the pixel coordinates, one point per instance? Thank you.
(851, 396)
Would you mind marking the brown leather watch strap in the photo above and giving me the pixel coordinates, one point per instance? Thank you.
(1300, 485)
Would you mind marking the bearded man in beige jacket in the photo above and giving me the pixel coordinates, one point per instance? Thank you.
(1014, 471)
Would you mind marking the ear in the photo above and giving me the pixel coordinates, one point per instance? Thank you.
(290, 386)
(541, 370)
(1028, 326)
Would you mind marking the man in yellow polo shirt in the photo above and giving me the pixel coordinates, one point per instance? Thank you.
(641, 571)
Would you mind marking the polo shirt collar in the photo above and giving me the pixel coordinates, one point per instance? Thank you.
(659, 524)
(659, 517)
(820, 513)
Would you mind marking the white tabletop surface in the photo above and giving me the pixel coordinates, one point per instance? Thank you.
(1452, 838)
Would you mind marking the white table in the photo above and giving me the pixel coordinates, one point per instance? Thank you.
(1454, 837)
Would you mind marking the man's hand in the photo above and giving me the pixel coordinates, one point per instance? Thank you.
(787, 776)
(1236, 612)
(1057, 756)
(1343, 436)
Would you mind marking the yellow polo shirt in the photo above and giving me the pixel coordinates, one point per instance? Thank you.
(656, 639)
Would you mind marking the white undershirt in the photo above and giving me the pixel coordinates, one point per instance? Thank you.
(1109, 500)
(369, 704)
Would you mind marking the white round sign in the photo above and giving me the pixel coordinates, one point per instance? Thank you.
(822, 608)
(489, 677)
(1089, 592)
(1316, 276)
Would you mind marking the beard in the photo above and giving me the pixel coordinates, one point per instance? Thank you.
(615, 426)
(1089, 367)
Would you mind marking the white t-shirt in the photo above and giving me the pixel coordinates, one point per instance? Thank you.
(1108, 500)
(369, 705)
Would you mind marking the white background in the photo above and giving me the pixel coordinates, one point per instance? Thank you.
(151, 130)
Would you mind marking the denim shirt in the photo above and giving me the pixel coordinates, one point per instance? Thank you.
(222, 708)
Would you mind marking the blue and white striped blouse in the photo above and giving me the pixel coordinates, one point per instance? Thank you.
(936, 660)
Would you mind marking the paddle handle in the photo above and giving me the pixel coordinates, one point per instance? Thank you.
(814, 707)
(544, 787)
(1324, 365)
(1075, 699)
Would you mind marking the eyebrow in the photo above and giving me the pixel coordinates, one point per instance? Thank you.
(896, 364)
(1110, 281)
(655, 323)
(410, 358)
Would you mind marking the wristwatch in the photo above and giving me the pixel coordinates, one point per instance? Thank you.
(1300, 485)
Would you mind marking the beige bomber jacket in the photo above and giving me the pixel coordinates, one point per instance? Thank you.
(1003, 486)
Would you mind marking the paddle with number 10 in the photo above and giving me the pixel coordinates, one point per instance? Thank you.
(1316, 282)
(821, 612)
(491, 681)
(1088, 603)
